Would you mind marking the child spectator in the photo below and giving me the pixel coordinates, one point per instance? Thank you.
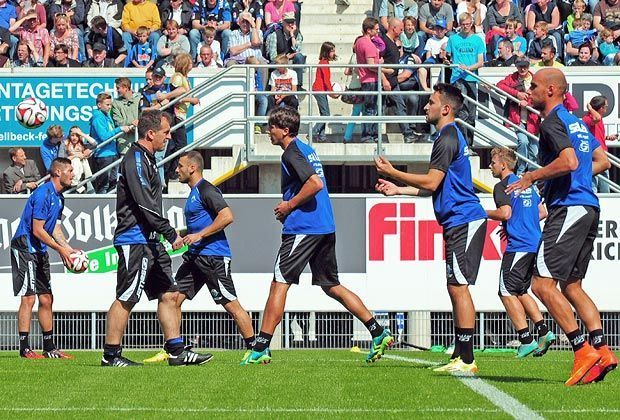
(577, 38)
(78, 153)
(519, 43)
(208, 38)
(579, 7)
(541, 38)
(597, 109)
(435, 51)
(142, 54)
(283, 80)
(609, 50)
(323, 82)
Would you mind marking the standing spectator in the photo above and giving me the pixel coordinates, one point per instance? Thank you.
(148, 79)
(366, 52)
(110, 10)
(171, 44)
(27, 29)
(247, 41)
(27, 56)
(506, 57)
(597, 109)
(105, 34)
(427, 16)
(323, 83)
(179, 11)
(136, 14)
(398, 9)
(467, 50)
(125, 111)
(142, 54)
(64, 34)
(253, 7)
(158, 84)
(61, 58)
(99, 59)
(53, 146)
(260, 100)
(607, 16)
(102, 128)
(276, 9)
(208, 38)
(206, 59)
(547, 57)
(354, 84)
(214, 14)
(283, 80)
(22, 175)
(78, 154)
(287, 40)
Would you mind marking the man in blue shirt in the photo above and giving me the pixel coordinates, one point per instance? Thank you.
(53, 146)
(520, 215)
(458, 211)
(308, 236)
(569, 156)
(39, 228)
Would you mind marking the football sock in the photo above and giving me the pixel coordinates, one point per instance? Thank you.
(262, 341)
(373, 327)
(577, 339)
(174, 346)
(457, 346)
(249, 342)
(541, 328)
(24, 343)
(110, 351)
(597, 339)
(48, 341)
(525, 337)
(465, 339)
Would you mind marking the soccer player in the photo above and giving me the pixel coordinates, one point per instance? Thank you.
(520, 214)
(308, 235)
(208, 259)
(143, 263)
(570, 155)
(39, 228)
(458, 211)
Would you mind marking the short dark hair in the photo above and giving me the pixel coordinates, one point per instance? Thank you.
(98, 22)
(285, 117)
(58, 162)
(13, 151)
(598, 102)
(549, 45)
(369, 23)
(151, 120)
(586, 45)
(450, 95)
(508, 44)
(195, 157)
(61, 47)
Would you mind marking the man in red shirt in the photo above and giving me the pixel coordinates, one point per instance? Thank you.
(366, 52)
(597, 108)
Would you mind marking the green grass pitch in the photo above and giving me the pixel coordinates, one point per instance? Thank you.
(297, 384)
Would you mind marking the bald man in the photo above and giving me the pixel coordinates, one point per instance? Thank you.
(569, 156)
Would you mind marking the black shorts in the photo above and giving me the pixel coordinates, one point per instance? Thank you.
(567, 242)
(515, 276)
(463, 247)
(31, 273)
(143, 267)
(297, 250)
(198, 270)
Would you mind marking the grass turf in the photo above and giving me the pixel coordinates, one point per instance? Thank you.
(299, 384)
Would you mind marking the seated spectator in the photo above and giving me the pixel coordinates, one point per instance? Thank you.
(506, 56)
(578, 37)
(78, 154)
(409, 37)
(547, 57)
(477, 10)
(179, 11)
(428, 14)
(172, 44)
(519, 44)
(22, 175)
(215, 14)
(61, 58)
(498, 15)
(579, 8)
(63, 34)
(247, 41)
(206, 59)
(125, 111)
(434, 52)
(283, 80)
(5, 47)
(27, 28)
(398, 9)
(105, 34)
(110, 10)
(142, 54)
(287, 40)
(609, 50)
(546, 11)
(99, 58)
(585, 57)
(53, 146)
(607, 16)
(75, 11)
(8, 15)
(33, 6)
(137, 14)
(253, 7)
(208, 39)
(26, 55)
(534, 48)
(275, 10)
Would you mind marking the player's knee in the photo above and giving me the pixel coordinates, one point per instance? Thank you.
(169, 298)
(28, 301)
(45, 301)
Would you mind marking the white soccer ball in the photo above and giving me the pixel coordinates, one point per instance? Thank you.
(79, 261)
(336, 87)
(31, 113)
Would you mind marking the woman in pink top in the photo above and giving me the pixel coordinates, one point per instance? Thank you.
(275, 9)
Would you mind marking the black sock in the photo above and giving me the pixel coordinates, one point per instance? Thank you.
(262, 341)
(174, 346)
(577, 339)
(457, 346)
(24, 343)
(48, 341)
(525, 337)
(249, 342)
(597, 339)
(373, 327)
(541, 328)
(465, 337)
(110, 351)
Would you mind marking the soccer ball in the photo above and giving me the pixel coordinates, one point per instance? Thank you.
(31, 113)
(336, 87)
(79, 262)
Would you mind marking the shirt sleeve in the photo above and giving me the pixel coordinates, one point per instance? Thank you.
(212, 199)
(500, 196)
(297, 164)
(40, 206)
(445, 151)
(555, 134)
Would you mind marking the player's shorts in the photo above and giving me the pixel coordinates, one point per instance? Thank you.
(143, 267)
(31, 273)
(198, 270)
(515, 276)
(567, 242)
(297, 251)
(463, 247)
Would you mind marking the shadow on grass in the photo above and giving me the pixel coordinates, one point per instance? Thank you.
(510, 379)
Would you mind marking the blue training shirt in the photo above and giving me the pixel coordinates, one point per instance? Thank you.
(465, 50)
(45, 203)
(559, 131)
(523, 227)
(315, 216)
(454, 202)
(203, 204)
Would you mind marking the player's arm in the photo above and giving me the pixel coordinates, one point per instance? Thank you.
(429, 181)
(542, 211)
(222, 220)
(502, 213)
(57, 242)
(503, 204)
(309, 189)
(600, 162)
(388, 188)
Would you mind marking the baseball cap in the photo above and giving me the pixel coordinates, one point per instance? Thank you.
(159, 71)
(441, 23)
(289, 17)
(98, 46)
(522, 62)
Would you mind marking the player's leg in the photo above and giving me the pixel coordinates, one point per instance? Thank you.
(23, 269)
(546, 337)
(244, 323)
(24, 316)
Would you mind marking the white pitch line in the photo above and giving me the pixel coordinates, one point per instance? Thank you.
(507, 403)
(327, 410)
